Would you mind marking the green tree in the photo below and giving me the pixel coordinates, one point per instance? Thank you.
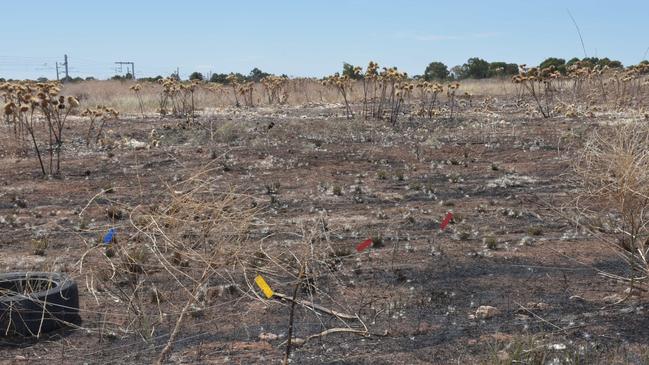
(590, 61)
(458, 72)
(476, 68)
(219, 78)
(256, 75)
(558, 63)
(610, 63)
(436, 71)
(350, 71)
(502, 69)
(572, 61)
(595, 61)
(196, 76)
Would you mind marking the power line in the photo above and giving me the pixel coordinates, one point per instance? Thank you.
(126, 63)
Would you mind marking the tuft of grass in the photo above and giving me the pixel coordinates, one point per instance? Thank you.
(535, 231)
(115, 213)
(39, 246)
(490, 242)
(272, 188)
(415, 186)
(337, 190)
(464, 234)
(377, 241)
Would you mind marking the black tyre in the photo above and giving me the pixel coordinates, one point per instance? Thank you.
(36, 302)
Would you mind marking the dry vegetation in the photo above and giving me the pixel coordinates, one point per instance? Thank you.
(209, 186)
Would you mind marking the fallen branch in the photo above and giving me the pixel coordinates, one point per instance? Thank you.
(102, 192)
(539, 317)
(317, 307)
(301, 341)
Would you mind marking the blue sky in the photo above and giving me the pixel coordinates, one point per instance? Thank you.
(307, 38)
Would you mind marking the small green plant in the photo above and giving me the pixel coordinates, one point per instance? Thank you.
(108, 188)
(490, 242)
(457, 218)
(377, 241)
(358, 189)
(399, 176)
(535, 231)
(135, 259)
(341, 251)
(415, 186)
(39, 246)
(337, 190)
(83, 223)
(455, 178)
(115, 213)
(272, 188)
(381, 175)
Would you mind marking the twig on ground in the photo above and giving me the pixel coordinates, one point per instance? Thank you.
(317, 307)
(365, 333)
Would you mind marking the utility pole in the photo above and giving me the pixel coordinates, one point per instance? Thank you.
(67, 76)
(132, 64)
(65, 65)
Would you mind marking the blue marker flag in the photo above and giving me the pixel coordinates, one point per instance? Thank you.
(108, 238)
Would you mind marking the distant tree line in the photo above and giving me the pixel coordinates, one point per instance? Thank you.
(473, 68)
(254, 75)
(478, 68)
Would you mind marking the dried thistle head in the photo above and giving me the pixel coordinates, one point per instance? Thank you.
(9, 108)
(73, 102)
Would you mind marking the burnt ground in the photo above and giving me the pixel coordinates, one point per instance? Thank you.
(512, 244)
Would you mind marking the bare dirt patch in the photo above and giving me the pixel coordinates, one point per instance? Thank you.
(417, 289)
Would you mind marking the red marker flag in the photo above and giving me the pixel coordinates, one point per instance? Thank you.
(446, 221)
(363, 245)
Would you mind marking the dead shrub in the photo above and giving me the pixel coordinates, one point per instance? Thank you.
(613, 171)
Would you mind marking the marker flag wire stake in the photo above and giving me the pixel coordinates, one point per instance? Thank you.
(363, 245)
(108, 238)
(261, 283)
(446, 221)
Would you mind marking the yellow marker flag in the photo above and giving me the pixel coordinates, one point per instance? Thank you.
(261, 283)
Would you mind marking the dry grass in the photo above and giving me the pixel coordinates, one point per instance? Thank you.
(117, 94)
(613, 170)
(170, 258)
